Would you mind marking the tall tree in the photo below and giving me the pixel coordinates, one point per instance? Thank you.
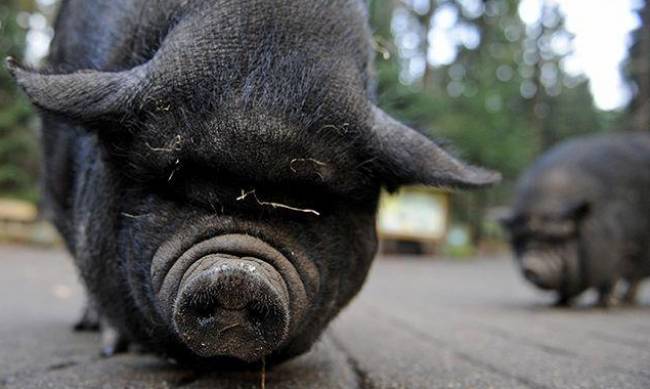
(18, 149)
(638, 71)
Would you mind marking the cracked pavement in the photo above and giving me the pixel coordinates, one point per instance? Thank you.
(418, 323)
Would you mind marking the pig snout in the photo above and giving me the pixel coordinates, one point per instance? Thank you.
(232, 295)
(532, 274)
(542, 270)
(232, 306)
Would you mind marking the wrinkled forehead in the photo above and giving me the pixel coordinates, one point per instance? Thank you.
(256, 146)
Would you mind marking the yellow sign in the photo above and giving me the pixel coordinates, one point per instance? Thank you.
(17, 211)
(413, 213)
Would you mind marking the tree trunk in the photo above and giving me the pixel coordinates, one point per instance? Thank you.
(641, 67)
(425, 21)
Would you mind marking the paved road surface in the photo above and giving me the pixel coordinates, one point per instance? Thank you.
(417, 324)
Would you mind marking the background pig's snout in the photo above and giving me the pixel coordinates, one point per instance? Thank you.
(230, 306)
(532, 275)
(544, 271)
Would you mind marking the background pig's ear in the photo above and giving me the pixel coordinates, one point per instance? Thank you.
(84, 95)
(507, 219)
(405, 157)
(577, 210)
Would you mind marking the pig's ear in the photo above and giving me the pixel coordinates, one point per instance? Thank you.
(405, 156)
(84, 95)
(507, 219)
(577, 210)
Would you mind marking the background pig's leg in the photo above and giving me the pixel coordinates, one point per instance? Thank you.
(89, 320)
(563, 300)
(113, 341)
(606, 296)
(630, 293)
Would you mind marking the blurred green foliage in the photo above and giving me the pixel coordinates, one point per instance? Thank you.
(501, 102)
(18, 140)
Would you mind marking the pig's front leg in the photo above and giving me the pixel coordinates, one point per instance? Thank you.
(113, 340)
(630, 293)
(606, 295)
(562, 301)
(89, 320)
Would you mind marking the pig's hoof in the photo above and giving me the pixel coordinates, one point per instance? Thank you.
(629, 298)
(606, 302)
(113, 341)
(139, 348)
(562, 302)
(628, 301)
(89, 320)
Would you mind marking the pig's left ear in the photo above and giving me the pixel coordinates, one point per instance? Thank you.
(577, 210)
(405, 156)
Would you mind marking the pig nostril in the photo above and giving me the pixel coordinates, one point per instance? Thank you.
(529, 274)
(257, 314)
(532, 276)
(203, 313)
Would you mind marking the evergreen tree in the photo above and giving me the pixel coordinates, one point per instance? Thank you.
(638, 72)
(18, 144)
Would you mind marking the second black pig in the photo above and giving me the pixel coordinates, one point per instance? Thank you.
(581, 217)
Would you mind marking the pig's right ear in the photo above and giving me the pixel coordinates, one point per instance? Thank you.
(577, 210)
(403, 156)
(507, 219)
(83, 96)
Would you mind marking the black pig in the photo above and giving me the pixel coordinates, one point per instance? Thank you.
(214, 167)
(581, 217)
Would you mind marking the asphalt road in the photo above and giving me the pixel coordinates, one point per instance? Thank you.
(417, 324)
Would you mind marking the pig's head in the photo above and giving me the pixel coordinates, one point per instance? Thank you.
(244, 217)
(545, 227)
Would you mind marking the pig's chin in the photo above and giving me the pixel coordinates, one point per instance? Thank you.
(232, 295)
